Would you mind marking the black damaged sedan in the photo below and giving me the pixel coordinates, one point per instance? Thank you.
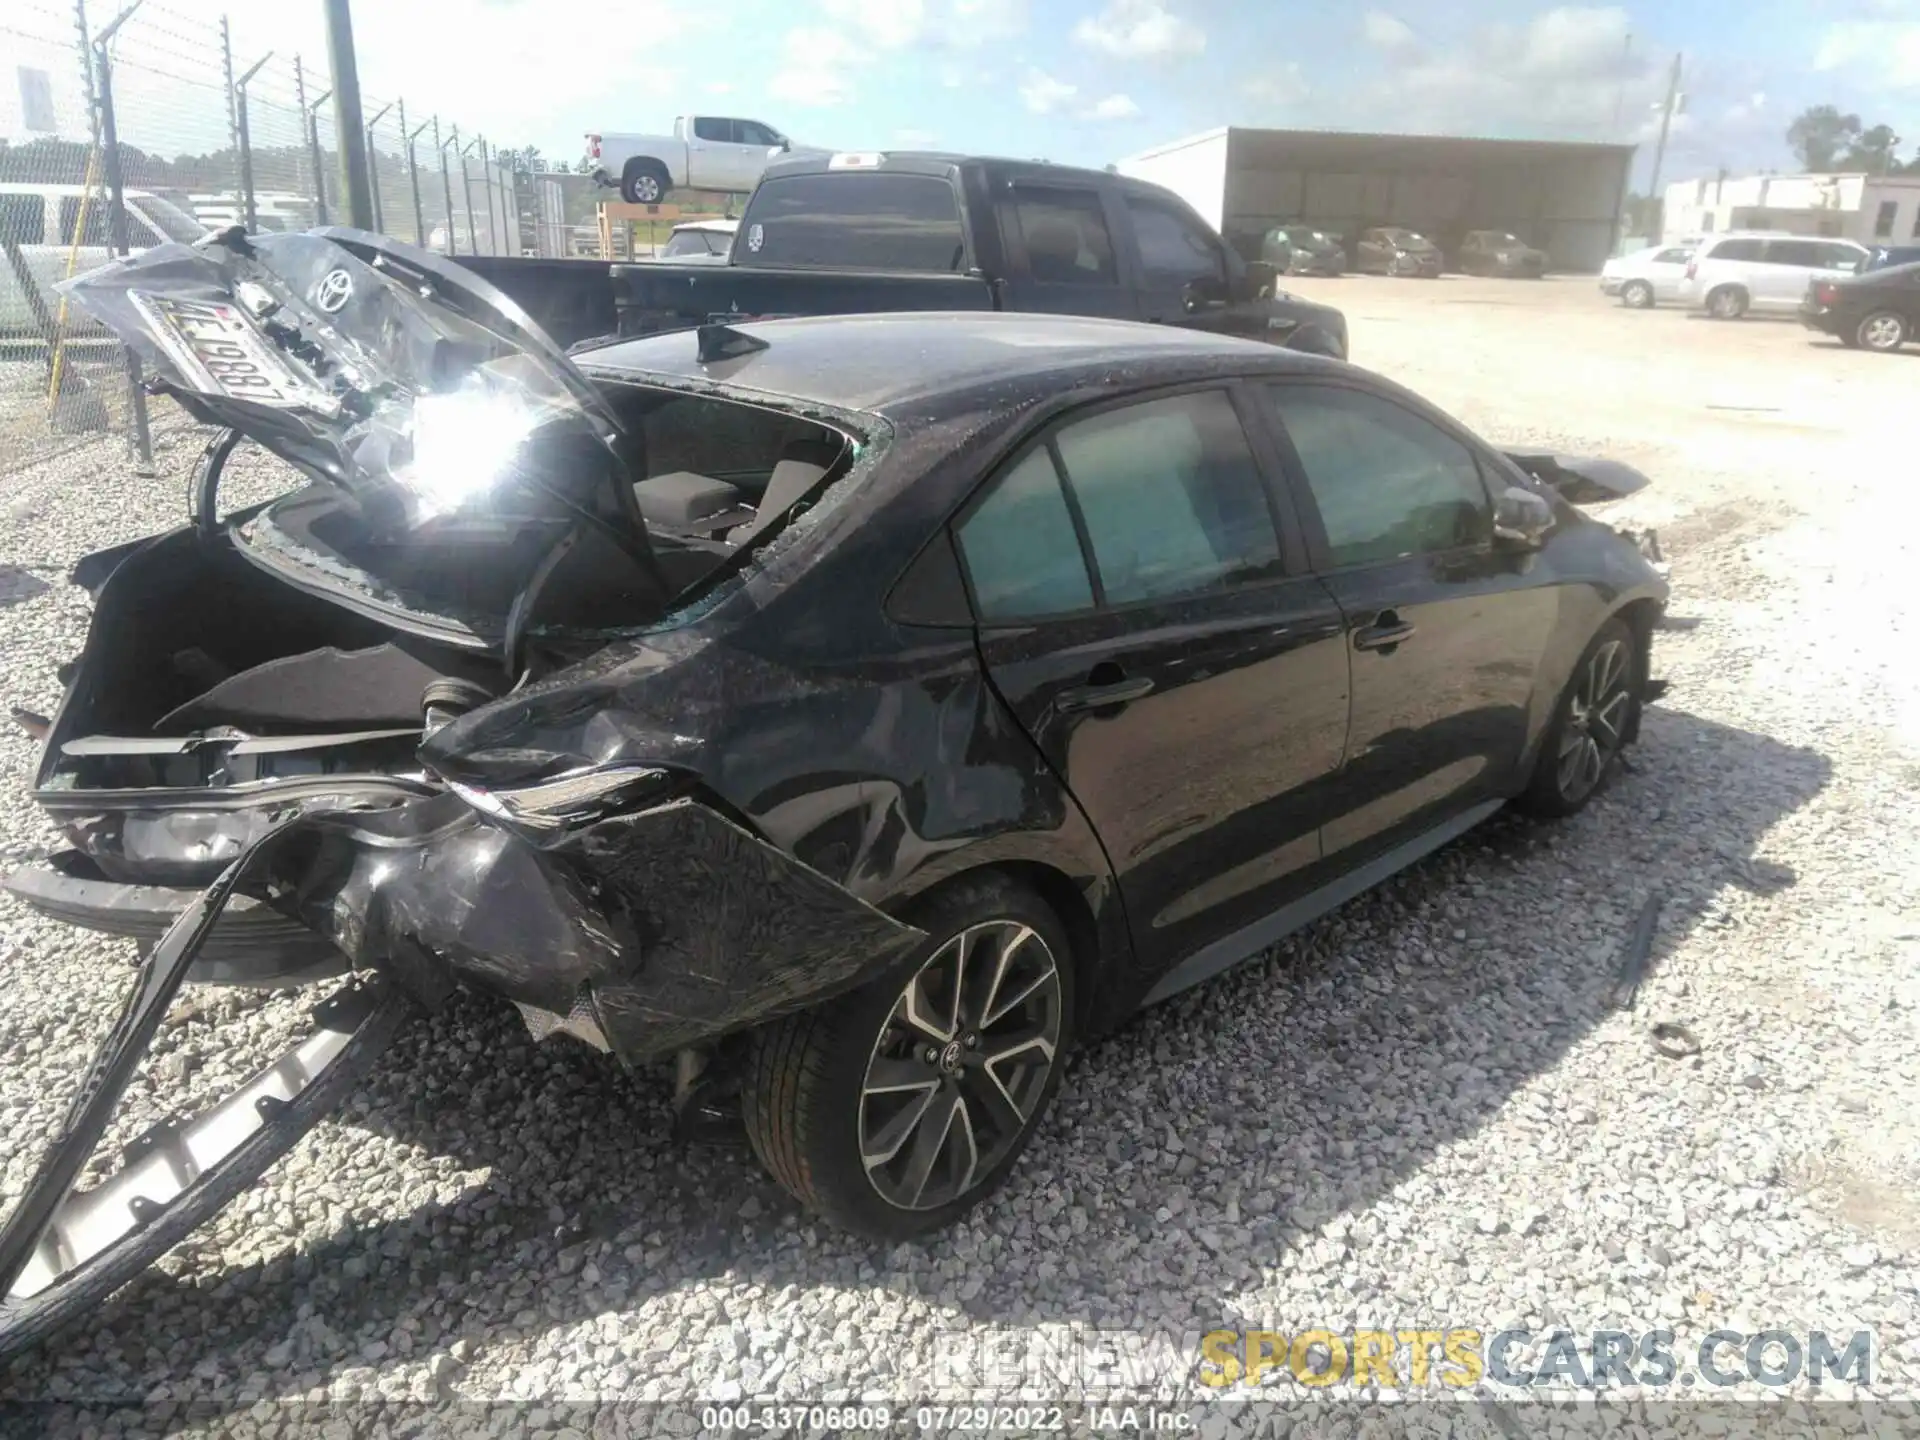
(856, 712)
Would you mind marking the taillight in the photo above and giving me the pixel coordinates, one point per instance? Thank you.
(1826, 294)
(593, 146)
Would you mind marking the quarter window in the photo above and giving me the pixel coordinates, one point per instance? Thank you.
(1883, 221)
(1386, 483)
(713, 128)
(1749, 250)
(1065, 233)
(1021, 552)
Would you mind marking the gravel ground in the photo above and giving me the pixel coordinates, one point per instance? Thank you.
(1422, 1112)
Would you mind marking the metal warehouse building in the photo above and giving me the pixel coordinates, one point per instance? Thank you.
(1562, 197)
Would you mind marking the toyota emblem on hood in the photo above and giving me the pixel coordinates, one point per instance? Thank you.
(333, 291)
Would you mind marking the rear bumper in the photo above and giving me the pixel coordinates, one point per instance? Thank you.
(250, 945)
(1827, 322)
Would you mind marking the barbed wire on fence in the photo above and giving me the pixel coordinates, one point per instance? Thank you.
(202, 135)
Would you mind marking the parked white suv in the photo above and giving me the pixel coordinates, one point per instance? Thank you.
(1739, 271)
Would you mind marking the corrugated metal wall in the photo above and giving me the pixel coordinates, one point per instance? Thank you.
(1565, 206)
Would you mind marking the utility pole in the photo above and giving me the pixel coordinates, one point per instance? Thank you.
(1655, 199)
(350, 132)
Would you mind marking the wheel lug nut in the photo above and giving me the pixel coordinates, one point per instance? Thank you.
(932, 1056)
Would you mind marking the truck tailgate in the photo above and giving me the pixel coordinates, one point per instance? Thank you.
(651, 298)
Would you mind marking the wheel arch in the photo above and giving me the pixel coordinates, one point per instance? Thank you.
(1098, 937)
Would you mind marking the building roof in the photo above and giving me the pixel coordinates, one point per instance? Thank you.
(879, 363)
(1332, 147)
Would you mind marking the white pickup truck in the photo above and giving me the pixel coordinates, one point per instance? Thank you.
(704, 152)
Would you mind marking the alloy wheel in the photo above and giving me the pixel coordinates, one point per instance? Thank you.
(960, 1065)
(1883, 332)
(1596, 721)
(1638, 295)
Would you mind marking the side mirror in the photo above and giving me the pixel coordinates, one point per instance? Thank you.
(1263, 276)
(1204, 293)
(786, 145)
(1522, 519)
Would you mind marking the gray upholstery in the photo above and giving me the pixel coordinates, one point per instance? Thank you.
(790, 480)
(682, 499)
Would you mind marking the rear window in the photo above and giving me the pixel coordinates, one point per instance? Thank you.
(856, 221)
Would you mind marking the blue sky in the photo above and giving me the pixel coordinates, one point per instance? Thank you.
(1087, 81)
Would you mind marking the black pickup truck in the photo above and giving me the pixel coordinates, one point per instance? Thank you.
(860, 233)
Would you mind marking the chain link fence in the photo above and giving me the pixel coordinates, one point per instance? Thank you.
(160, 131)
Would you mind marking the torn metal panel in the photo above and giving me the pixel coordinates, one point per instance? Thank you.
(653, 930)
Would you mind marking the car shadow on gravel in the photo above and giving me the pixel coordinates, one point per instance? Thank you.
(1196, 1151)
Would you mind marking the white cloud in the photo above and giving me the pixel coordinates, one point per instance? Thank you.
(817, 68)
(1386, 32)
(1137, 29)
(1112, 107)
(1043, 94)
(1283, 85)
(1886, 50)
(886, 24)
(1567, 72)
(948, 24)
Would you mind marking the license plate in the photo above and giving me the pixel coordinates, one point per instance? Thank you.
(220, 353)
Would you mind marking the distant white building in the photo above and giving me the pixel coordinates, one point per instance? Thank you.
(1873, 209)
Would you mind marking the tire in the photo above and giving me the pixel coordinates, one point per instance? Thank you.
(26, 1324)
(1729, 302)
(1883, 331)
(1577, 755)
(812, 1116)
(1637, 295)
(644, 183)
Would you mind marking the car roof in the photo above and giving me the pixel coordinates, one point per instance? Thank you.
(885, 363)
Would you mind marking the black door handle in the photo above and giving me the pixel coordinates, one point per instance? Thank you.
(1387, 631)
(1098, 697)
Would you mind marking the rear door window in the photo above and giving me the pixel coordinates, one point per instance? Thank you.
(1172, 498)
(1744, 250)
(1065, 235)
(856, 221)
(1802, 254)
(713, 128)
(23, 219)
